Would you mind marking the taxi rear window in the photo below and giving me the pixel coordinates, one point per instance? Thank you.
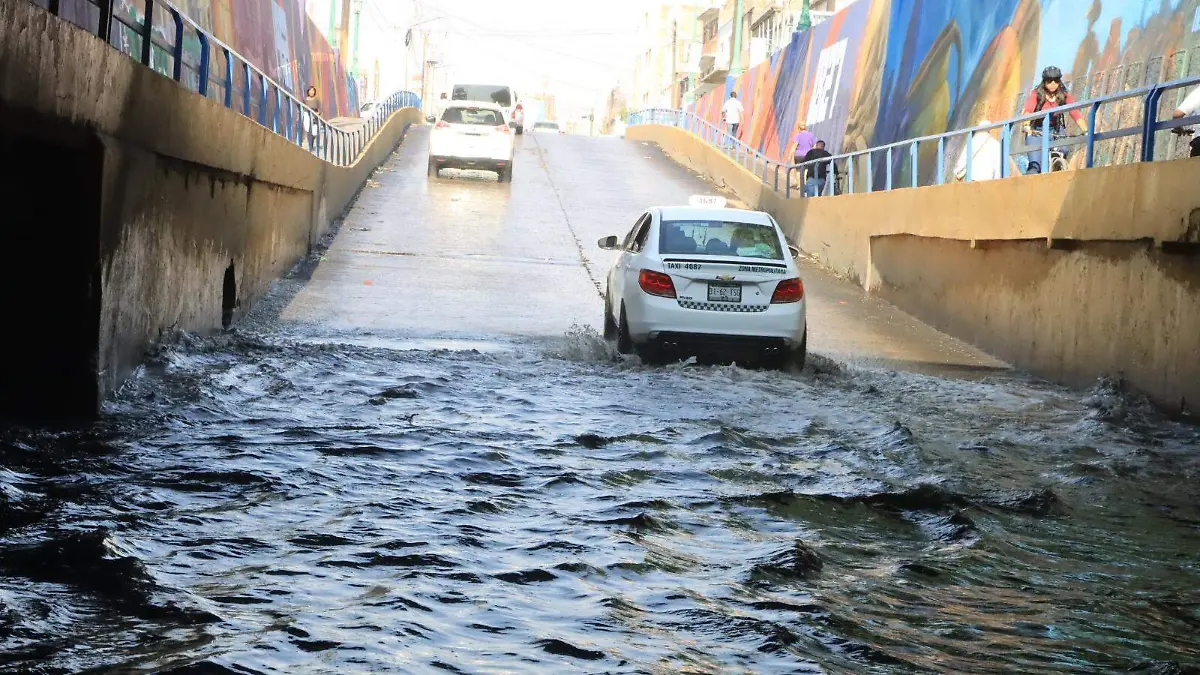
(717, 237)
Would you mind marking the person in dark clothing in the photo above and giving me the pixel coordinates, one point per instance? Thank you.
(816, 175)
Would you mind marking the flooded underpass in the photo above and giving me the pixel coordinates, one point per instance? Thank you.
(369, 476)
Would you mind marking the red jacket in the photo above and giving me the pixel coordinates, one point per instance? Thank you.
(1051, 102)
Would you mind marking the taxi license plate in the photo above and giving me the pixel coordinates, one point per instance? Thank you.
(724, 293)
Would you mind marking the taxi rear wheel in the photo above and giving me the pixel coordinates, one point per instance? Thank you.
(624, 341)
(433, 168)
(781, 360)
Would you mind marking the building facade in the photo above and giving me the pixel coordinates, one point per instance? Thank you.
(666, 61)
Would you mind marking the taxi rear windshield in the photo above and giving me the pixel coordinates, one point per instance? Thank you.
(716, 237)
(482, 116)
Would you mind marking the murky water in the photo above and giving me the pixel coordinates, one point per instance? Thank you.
(271, 503)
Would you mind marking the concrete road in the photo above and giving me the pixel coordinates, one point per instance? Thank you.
(465, 259)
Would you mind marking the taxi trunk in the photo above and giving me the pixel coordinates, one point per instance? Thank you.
(721, 283)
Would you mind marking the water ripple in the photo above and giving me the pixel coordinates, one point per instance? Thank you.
(266, 503)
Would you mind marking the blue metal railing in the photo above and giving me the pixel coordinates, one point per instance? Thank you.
(221, 73)
(769, 169)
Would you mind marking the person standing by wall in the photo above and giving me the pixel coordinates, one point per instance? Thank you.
(817, 175)
(731, 113)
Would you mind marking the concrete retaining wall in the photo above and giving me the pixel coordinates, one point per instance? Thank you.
(1073, 275)
(189, 189)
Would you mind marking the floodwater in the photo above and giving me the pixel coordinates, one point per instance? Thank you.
(308, 494)
(266, 504)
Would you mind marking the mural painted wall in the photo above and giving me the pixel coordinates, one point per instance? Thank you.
(882, 71)
(276, 36)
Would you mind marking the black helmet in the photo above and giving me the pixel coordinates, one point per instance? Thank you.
(1051, 73)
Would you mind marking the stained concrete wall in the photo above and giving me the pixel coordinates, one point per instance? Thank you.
(189, 188)
(1072, 275)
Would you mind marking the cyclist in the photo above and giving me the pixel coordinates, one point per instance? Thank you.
(1049, 94)
(1189, 106)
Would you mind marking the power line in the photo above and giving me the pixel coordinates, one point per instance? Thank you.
(484, 31)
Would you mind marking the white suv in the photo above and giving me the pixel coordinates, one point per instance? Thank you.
(472, 135)
(502, 95)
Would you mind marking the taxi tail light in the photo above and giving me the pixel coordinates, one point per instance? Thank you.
(656, 283)
(503, 128)
(788, 290)
(442, 124)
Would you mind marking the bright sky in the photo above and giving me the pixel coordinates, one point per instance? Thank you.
(575, 49)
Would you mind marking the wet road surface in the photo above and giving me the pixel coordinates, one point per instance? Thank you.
(417, 456)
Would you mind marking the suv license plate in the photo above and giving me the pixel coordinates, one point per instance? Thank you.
(724, 293)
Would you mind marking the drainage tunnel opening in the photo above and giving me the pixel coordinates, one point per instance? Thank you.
(228, 297)
(50, 188)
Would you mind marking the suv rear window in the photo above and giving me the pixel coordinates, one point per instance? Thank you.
(480, 116)
(717, 237)
(501, 96)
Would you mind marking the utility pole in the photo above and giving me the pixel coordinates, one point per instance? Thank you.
(375, 83)
(357, 24)
(424, 68)
(344, 32)
(805, 20)
(675, 93)
(735, 65)
(333, 4)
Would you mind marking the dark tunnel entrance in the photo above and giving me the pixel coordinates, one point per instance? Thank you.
(50, 187)
(228, 297)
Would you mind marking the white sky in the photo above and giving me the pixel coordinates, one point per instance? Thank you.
(576, 49)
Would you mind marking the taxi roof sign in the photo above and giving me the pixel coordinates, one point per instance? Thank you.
(707, 201)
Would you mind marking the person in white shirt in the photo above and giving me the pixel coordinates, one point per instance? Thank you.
(1189, 106)
(731, 112)
(985, 154)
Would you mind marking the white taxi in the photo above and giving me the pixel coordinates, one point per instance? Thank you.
(708, 281)
(472, 135)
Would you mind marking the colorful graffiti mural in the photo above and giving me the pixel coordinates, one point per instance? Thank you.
(275, 36)
(882, 71)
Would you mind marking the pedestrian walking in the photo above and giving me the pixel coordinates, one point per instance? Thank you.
(313, 101)
(816, 175)
(731, 113)
(802, 142)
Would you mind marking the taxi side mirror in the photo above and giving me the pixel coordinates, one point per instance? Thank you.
(609, 243)
(795, 250)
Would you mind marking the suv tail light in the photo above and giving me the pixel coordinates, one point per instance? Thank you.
(656, 283)
(788, 290)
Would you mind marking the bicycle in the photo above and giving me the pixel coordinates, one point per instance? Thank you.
(1194, 144)
(1058, 156)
